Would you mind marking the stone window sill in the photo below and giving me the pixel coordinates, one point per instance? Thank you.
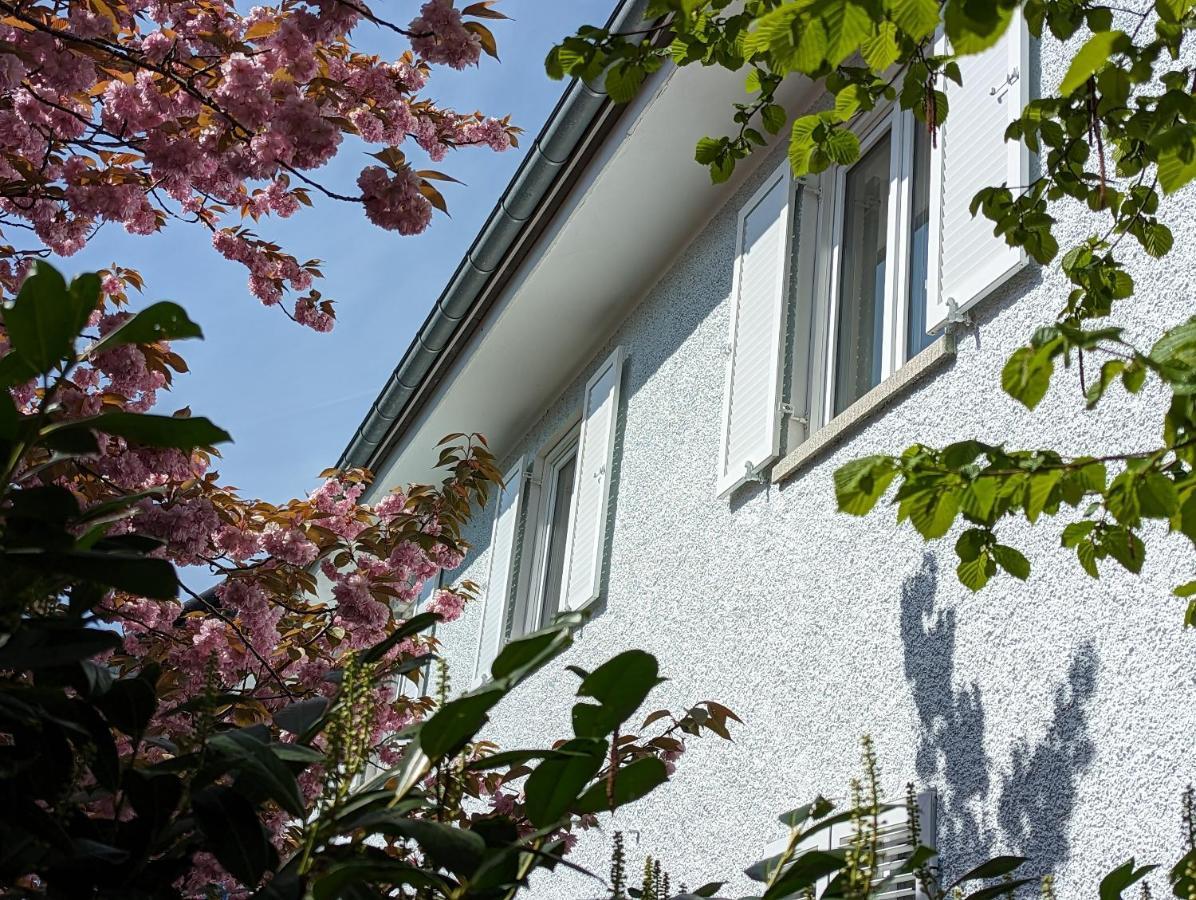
(881, 396)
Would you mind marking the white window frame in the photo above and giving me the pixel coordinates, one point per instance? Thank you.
(900, 125)
(549, 465)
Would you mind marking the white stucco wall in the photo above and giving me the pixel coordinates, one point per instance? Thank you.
(1054, 717)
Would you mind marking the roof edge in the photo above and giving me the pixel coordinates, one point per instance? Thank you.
(564, 135)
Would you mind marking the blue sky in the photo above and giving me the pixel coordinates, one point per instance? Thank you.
(292, 398)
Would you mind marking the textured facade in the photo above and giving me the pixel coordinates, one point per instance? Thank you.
(1053, 717)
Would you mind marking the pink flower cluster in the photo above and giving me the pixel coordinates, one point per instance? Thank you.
(441, 36)
(393, 200)
(201, 112)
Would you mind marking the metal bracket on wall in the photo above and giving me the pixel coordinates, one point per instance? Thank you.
(956, 320)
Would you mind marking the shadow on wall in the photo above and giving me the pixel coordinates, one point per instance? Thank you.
(1037, 796)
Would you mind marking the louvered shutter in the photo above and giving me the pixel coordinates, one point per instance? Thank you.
(896, 845)
(751, 405)
(967, 261)
(591, 490)
(502, 559)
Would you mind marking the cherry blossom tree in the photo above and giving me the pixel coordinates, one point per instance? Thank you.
(138, 112)
(258, 708)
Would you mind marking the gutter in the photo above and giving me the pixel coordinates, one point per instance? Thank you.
(582, 117)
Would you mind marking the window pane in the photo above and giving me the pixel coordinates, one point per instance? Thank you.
(916, 337)
(558, 530)
(862, 277)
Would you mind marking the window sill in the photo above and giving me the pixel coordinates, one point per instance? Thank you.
(872, 402)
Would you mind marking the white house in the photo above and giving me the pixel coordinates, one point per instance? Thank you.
(671, 372)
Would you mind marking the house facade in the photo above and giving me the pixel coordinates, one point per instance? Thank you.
(671, 372)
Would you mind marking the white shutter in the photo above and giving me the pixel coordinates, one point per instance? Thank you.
(591, 490)
(751, 405)
(896, 846)
(502, 560)
(967, 262)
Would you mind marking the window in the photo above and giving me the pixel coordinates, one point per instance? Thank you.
(560, 476)
(862, 271)
(547, 548)
(880, 213)
(842, 278)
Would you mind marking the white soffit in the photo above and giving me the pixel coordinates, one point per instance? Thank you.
(640, 202)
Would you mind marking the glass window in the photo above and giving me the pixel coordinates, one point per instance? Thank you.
(916, 338)
(560, 498)
(860, 330)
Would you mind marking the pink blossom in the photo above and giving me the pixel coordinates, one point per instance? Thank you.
(237, 543)
(441, 36)
(289, 545)
(391, 506)
(394, 201)
(309, 314)
(448, 604)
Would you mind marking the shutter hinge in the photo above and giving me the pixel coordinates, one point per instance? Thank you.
(787, 410)
(956, 320)
(1000, 90)
(753, 473)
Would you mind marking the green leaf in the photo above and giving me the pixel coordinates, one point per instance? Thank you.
(1126, 547)
(631, 783)
(932, 512)
(1186, 590)
(975, 573)
(1027, 375)
(163, 321)
(456, 849)
(842, 145)
(623, 81)
(152, 431)
(341, 878)
(130, 703)
(152, 578)
(1039, 486)
(774, 118)
(881, 50)
(1096, 53)
(620, 685)
(234, 835)
(707, 150)
(917, 18)
(796, 818)
(1114, 884)
(1177, 158)
(861, 482)
(45, 646)
(521, 657)
(301, 715)
(242, 751)
(993, 868)
(46, 316)
(1012, 561)
(974, 26)
(455, 723)
(414, 625)
(554, 786)
(804, 871)
(1076, 532)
